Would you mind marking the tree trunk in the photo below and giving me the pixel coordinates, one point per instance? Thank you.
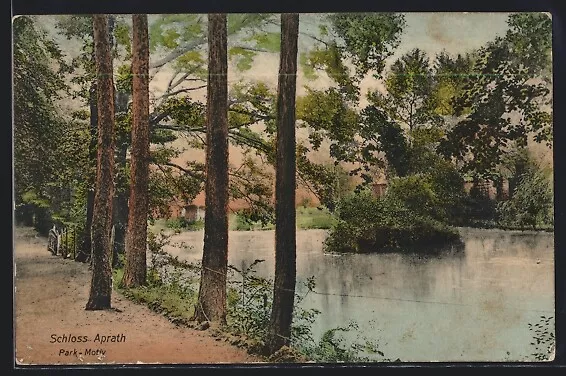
(211, 305)
(42, 220)
(101, 283)
(24, 215)
(120, 220)
(85, 247)
(120, 213)
(136, 234)
(285, 216)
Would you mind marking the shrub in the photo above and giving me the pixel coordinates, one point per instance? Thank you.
(314, 218)
(416, 193)
(391, 223)
(182, 223)
(532, 201)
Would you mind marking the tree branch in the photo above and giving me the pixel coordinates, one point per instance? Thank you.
(186, 171)
(252, 114)
(179, 51)
(257, 144)
(166, 95)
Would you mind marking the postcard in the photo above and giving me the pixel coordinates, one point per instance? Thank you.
(247, 188)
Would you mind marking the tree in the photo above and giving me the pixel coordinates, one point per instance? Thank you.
(136, 235)
(348, 40)
(361, 40)
(85, 244)
(38, 127)
(409, 85)
(532, 200)
(211, 305)
(505, 102)
(101, 283)
(285, 181)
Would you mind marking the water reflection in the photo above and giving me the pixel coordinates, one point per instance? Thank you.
(469, 305)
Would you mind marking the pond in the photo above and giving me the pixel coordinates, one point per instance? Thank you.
(469, 305)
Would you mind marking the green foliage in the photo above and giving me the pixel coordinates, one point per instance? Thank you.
(391, 223)
(508, 77)
(172, 30)
(544, 341)
(450, 75)
(37, 125)
(335, 347)
(249, 306)
(50, 152)
(410, 86)
(124, 78)
(189, 115)
(416, 193)
(167, 184)
(328, 116)
(530, 40)
(532, 201)
(307, 218)
(253, 184)
(330, 59)
(369, 38)
(245, 57)
(365, 39)
(181, 223)
(173, 300)
(379, 134)
(242, 222)
(268, 41)
(122, 35)
(314, 218)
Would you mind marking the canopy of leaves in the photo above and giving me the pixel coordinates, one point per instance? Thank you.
(369, 38)
(506, 98)
(532, 201)
(365, 40)
(37, 126)
(410, 85)
(328, 116)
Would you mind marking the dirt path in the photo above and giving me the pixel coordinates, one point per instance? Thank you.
(50, 297)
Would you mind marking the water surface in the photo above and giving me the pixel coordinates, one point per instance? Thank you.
(468, 305)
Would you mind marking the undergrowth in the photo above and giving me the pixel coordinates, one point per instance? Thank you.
(172, 290)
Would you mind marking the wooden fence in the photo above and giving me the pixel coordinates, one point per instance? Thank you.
(63, 242)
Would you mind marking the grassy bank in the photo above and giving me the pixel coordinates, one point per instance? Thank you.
(171, 291)
(307, 218)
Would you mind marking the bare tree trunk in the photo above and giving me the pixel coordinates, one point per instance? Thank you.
(211, 305)
(101, 283)
(85, 247)
(136, 234)
(285, 216)
(120, 220)
(120, 214)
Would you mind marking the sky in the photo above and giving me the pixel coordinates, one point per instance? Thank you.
(455, 32)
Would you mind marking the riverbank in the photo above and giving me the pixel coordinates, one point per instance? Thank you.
(50, 295)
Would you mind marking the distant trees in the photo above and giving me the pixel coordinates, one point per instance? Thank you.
(531, 202)
(101, 283)
(505, 101)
